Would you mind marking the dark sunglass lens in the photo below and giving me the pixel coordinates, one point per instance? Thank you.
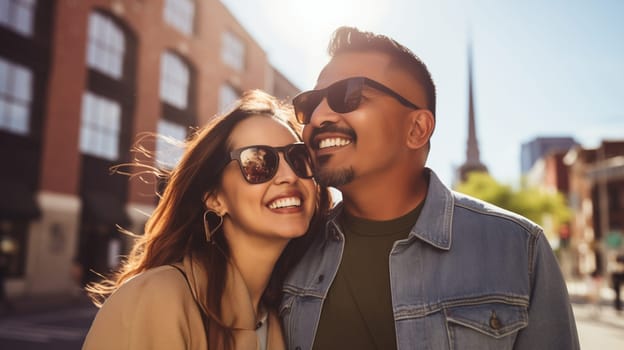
(258, 164)
(301, 118)
(305, 104)
(299, 160)
(345, 96)
(298, 103)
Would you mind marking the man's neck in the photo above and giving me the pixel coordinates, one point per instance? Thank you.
(384, 199)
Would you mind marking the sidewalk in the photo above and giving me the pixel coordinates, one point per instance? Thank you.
(583, 292)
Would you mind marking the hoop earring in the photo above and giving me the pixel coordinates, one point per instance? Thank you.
(209, 233)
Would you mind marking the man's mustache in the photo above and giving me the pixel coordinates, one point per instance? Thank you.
(332, 128)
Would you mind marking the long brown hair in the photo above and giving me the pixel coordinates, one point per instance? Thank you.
(175, 229)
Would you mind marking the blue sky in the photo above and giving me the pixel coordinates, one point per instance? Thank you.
(541, 68)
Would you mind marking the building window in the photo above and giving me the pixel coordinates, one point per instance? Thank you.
(174, 80)
(99, 131)
(106, 47)
(170, 143)
(615, 198)
(18, 15)
(233, 51)
(15, 97)
(227, 96)
(179, 14)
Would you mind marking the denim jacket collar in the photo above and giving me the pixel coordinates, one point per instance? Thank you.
(434, 224)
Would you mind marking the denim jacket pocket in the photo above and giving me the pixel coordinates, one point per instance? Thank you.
(485, 326)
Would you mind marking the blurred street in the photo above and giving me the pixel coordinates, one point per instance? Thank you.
(62, 323)
(58, 323)
(599, 327)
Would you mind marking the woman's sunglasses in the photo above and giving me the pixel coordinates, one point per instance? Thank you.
(259, 163)
(343, 96)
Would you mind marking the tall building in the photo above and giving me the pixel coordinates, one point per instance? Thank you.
(473, 158)
(78, 81)
(539, 147)
(549, 173)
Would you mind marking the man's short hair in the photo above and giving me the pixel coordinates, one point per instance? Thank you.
(350, 39)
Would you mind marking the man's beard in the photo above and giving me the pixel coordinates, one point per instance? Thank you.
(335, 177)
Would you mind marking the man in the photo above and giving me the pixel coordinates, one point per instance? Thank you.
(405, 263)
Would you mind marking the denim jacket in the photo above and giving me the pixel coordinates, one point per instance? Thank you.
(468, 276)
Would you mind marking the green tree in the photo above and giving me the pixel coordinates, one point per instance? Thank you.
(546, 208)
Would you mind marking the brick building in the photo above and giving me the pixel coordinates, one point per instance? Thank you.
(597, 200)
(78, 81)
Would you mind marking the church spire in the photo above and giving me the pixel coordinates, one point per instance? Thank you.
(473, 160)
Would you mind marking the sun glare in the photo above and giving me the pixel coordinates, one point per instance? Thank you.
(306, 26)
(322, 15)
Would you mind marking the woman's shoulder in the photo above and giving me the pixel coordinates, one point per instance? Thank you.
(157, 291)
(161, 275)
(163, 280)
(155, 306)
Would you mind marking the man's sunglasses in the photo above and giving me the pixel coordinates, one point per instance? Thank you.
(343, 96)
(259, 163)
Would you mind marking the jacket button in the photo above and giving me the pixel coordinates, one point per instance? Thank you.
(320, 279)
(495, 323)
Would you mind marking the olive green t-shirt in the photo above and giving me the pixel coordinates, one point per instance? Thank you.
(357, 313)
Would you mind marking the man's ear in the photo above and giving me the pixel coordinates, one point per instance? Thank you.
(420, 128)
(213, 201)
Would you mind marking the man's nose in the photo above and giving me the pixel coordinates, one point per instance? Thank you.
(323, 114)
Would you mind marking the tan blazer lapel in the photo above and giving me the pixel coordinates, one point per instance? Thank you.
(237, 309)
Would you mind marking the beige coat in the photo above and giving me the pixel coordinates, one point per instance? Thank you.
(156, 310)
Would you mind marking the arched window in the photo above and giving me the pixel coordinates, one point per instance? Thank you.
(106, 47)
(233, 51)
(100, 127)
(179, 14)
(15, 97)
(174, 80)
(169, 146)
(18, 15)
(227, 95)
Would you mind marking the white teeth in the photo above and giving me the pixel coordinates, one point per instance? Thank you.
(333, 142)
(285, 202)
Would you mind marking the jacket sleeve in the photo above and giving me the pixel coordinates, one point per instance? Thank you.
(152, 312)
(551, 321)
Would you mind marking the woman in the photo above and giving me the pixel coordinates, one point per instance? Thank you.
(207, 273)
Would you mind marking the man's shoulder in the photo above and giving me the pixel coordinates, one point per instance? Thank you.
(470, 208)
(460, 210)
